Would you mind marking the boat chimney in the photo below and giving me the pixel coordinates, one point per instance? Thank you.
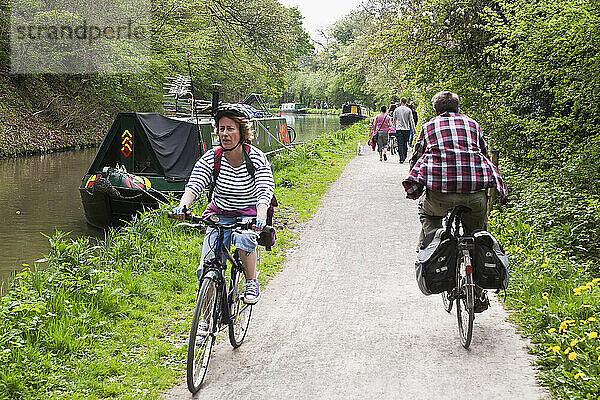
(216, 88)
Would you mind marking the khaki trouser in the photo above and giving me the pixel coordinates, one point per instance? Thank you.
(434, 206)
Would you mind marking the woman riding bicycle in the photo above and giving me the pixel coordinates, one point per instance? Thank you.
(236, 193)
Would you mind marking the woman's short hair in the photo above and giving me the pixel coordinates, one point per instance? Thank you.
(383, 108)
(445, 102)
(240, 116)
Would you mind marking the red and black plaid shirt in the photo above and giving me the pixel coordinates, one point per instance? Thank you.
(451, 156)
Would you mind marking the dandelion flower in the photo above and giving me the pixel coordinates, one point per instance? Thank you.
(563, 326)
(545, 295)
(551, 330)
(593, 335)
(544, 265)
(577, 375)
(574, 342)
(555, 349)
(567, 350)
(572, 356)
(592, 319)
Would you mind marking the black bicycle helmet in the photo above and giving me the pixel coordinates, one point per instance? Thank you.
(231, 110)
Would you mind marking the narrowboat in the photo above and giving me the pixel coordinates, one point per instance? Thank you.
(292, 108)
(352, 112)
(146, 159)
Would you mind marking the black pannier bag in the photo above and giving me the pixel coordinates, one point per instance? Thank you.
(490, 264)
(436, 262)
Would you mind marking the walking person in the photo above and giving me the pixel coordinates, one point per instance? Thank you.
(404, 123)
(413, 107)
(392, 132)
(382, 123)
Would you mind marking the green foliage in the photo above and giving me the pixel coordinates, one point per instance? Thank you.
(556, 298)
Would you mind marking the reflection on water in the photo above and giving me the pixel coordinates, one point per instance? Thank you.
(39, 194)
(308, 126)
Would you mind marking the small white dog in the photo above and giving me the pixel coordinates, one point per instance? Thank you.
(360, 148)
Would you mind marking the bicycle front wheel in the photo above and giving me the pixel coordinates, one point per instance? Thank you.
(240, 311)
(202, 335)
(464, 308)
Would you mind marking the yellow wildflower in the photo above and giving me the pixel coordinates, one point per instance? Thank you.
(595, 280)
(592, 319)
(551, 330)
(544, 265)
(577, 375)
(585, 306)
(583, 321)
(577, 292)
(593, 335)
(555, 349)
(570, 321)
(546, 260)
(563, 326)
(574, 342)
(567, 350)
(545, 295)
(572, 356)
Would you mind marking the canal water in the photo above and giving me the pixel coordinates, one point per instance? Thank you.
(39, 195)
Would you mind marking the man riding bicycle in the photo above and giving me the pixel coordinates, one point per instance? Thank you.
(450, 166)
(236, 192)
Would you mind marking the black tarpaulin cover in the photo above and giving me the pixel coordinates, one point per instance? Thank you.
(174, 142)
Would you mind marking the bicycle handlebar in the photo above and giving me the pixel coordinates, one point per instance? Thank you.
(198, 220)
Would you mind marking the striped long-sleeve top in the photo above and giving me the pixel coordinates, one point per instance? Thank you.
(235, 188)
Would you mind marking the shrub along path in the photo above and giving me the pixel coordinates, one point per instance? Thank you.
(345, 318)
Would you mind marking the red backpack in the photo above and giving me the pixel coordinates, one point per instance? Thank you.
(265, 239)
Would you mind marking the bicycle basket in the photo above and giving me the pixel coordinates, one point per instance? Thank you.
(436, 262)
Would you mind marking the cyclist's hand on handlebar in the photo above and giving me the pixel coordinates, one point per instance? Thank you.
(259, 224)
(179, 212)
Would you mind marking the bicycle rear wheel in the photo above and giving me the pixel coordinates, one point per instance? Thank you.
(240, 311)
(202, 335)
(465, 306)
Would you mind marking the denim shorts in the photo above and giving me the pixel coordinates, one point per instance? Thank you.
(241, 241)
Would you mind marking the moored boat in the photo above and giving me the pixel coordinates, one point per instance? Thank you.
(352, 112)
(292, 108)
(146, 158)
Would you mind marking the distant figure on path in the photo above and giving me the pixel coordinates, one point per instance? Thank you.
(382, 126)
(413, 107)
(403, 120)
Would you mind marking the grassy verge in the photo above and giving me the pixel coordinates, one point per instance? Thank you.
(549, 234)
(111, 319)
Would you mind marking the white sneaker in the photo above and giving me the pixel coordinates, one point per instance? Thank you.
(252, 292)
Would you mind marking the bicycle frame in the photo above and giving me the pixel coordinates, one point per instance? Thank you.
(214, 269)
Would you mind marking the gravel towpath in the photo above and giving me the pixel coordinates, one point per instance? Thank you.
(346, 320)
